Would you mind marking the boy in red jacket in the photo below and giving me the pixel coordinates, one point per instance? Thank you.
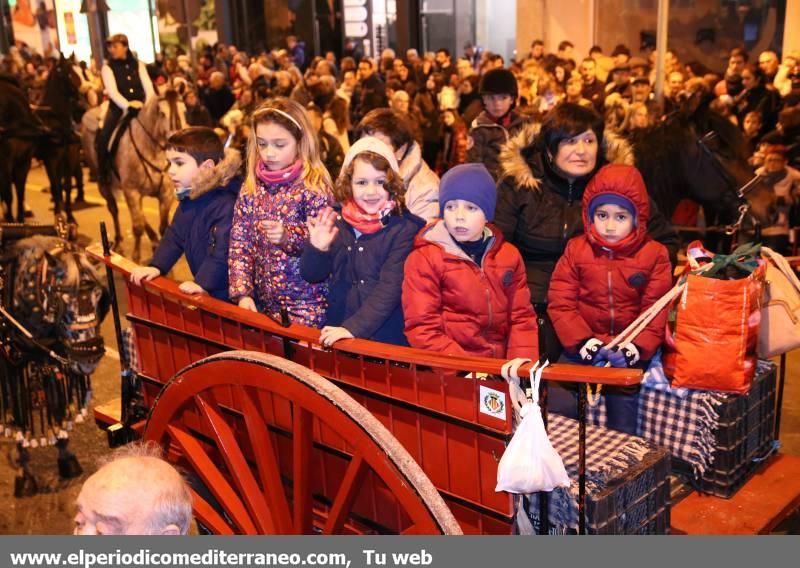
(465, 291)
(606, 278)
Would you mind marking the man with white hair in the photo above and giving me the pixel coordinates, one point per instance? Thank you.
(135, 493)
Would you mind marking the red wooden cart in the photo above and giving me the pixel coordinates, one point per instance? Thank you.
(286, 437)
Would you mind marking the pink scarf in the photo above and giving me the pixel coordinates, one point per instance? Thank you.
(365, 223)
(278, 177)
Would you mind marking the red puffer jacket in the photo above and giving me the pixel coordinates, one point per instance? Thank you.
(597, 288)
(452, 305)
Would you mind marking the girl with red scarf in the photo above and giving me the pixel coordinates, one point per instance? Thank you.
(360, 253)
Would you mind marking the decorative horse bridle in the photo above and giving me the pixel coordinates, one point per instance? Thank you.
(148, 164)
(741, 193)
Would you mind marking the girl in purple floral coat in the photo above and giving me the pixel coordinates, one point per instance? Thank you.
(286, 183)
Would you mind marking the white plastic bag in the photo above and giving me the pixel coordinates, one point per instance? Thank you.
(530, 463)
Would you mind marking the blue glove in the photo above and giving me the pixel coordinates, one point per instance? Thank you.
(624, 356)
(592, 352)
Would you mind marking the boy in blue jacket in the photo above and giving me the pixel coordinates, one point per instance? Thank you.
(207, 182)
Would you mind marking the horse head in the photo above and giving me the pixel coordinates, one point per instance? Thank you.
(59, 298)
(698, 154)
(164, 114)
(723, 175)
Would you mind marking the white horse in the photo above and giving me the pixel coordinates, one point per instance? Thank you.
(140, 166)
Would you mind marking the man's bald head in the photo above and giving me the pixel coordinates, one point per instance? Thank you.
(135, 493)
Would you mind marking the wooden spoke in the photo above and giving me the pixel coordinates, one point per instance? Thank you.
(214, 479)
(238, 467)
(301, 462)
(345, 496)
(207, 515)
(266, 462)
(291, 452)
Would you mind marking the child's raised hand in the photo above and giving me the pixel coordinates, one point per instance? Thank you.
(276, 234)
(330, 335)
(247, 303)
(142, 273)
(322, 229)
(191, 287)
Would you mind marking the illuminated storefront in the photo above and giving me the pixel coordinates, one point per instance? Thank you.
(73, 29)
(137, 20)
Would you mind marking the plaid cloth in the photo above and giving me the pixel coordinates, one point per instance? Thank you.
(681, 420)
(129, 347)
(609, 454)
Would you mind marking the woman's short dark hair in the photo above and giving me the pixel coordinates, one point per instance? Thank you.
(388, 122)
(566, 121)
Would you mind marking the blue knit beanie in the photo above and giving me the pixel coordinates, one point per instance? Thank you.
(611, 199)
(470, 182)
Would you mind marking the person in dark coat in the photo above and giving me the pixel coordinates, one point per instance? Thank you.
(196, 112)
(544, 172)
(218, 97)
(498, 121)
(363, 251)
(207, 185)
(369, 94)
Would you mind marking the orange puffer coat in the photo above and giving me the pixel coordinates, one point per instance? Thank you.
(453, 305)
(598, 289)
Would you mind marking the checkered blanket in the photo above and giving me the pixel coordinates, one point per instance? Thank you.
(129, 346)
(609, 454)
(681, 420)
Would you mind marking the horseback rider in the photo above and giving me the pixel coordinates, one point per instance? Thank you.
(128, 87)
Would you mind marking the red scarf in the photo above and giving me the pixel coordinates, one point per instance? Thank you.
(365, 223)
(278, 177)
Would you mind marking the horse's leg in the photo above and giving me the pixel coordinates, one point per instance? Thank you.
(21, 168)
(134, 200)
(68, 190)
(54, 177)
(6, 172)
(77, 170)
(166, 197)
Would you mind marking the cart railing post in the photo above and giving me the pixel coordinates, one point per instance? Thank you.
(581, 460)
(126, 374)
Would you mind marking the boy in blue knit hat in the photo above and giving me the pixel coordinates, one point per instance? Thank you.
(465, 290)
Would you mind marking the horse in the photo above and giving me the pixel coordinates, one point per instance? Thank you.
(52, 303)
(18, 132)
(140, 167)
(698, 154)
(58, 146)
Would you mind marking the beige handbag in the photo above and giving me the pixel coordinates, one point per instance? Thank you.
(780, 316)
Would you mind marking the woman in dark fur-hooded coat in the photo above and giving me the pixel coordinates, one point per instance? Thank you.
(544, 170)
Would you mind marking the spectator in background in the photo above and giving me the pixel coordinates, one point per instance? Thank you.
(336, 122)
(135, 493)
(565, 49)
(297, 51)
(196, 113)
(537, 51)
(592, 88)
(370, 92)
(444, 65)
(768, 65)
(621, 54)
(217, 97)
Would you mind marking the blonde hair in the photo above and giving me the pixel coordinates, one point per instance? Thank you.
(288, 114)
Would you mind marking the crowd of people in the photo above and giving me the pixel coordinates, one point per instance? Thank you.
(434, 201)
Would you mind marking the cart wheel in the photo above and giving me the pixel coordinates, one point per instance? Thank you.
(250, 427)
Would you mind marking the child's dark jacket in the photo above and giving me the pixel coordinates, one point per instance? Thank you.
(201, 227)
(366, 277)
